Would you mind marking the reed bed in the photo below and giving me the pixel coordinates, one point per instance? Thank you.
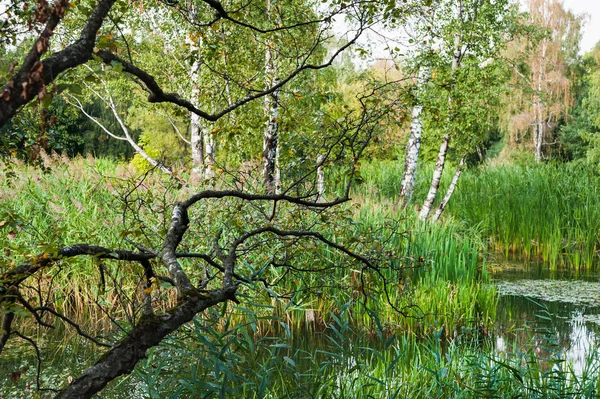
(341, 362)
(420, 330)
(548, 211)
(545, 212)
(436, 277)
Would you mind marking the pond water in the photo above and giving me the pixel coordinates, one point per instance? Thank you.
(549, 311)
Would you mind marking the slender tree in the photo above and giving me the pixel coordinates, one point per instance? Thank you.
(440, 162)
(270, 157)
(416, 130)
(473, 31)
(543, 90)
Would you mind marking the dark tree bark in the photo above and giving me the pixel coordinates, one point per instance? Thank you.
(32, 78)
(149, 332)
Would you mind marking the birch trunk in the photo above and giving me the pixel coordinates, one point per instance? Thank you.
(197, 144)
(126, 135)
(414, 142)
(441, 158)
(136, 147)
(271, 173)
(437, 177)
(450, 190)
(209, 154)
(196, 136)
(539, 125)
(412, 156)
(537, 129)
(320, 179)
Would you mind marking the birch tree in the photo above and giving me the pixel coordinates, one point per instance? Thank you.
(474, 30)
(536, 111)
(197, 130)
(270, 157)
(416, 128)
(440, 162)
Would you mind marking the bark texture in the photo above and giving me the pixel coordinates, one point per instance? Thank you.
(450, 190)
(196, 129)
(437, 177)
(34, 75)
(149, 332)
(320, 178)
(538, 109)
(441, 158)
(126, 134)
(209, 154)
(414, 139)
(271, 176)
(271, 173)
(412, 156)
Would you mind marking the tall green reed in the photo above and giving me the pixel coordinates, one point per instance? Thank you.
(545, 211)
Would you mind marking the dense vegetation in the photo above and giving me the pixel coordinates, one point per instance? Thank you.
(232, 199)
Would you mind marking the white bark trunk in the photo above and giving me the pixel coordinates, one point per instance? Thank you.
(271, 146)
(196, 136)
(209, 154)
(450, 190)
(320, 179)
(414, 139)
(197, 144)
(138, 149)
(126, 135)
(271, 172)
(412, 156)
(538, 130)
(441, 158)
(437, 177)
(539, 124)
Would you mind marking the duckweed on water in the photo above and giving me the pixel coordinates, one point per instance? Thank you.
(565, 291)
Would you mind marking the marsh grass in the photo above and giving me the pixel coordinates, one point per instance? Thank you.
(326, 343)
(437, 276)
(548, 211)
(341, 362)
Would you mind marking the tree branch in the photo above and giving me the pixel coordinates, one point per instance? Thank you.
(158, 95)
(147, 333)
(33, 76)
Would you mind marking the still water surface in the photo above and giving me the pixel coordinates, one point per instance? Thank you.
(548, 310)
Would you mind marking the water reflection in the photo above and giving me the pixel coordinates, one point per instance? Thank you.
(553, 315)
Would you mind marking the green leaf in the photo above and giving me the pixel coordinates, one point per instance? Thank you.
(117, 66)
(290, 361)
